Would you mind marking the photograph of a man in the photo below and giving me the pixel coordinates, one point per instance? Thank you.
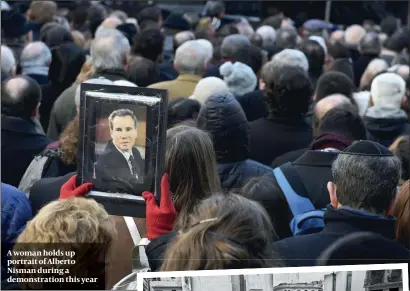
(120, 166)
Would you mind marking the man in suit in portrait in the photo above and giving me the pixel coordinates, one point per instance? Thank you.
(121, 166)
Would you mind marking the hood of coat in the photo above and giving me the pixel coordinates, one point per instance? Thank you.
(222, 116)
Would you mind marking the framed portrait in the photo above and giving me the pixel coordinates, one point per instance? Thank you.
(122, 145)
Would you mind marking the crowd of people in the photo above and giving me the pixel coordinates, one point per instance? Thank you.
(286, 146)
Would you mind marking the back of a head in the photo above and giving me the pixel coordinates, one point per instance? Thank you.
(239, 78)
(20, 97)
(224, 233)
(150, 13)
(397, 42)
(182, 37)
(42, 11)
(232, 44)
(8, 61)
(268, 35)
(343, 120)
(370, 44)
(388, 90)
(35, 54)
(223, 117)
(207, 87)
(191, 58)
(357, 187)
(353, 35)
(315, 55)
(291, 58)
(389, 25)
(251, 56)
(143, 72)
(362, 248)
(334, 83)
(91, 241)
(286, 38)
(109, 50)
(214, 9)
(274, 21)
(191, 165)
(56, 35)
(149, 43)
(402, 151)
(343, 66)
(373, 68)
(183, 111)
(288, 90)
(339, 51)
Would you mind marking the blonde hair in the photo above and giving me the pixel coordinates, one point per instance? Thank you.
(77, 225)
(372, 69)
(86, 72)
(79, 38)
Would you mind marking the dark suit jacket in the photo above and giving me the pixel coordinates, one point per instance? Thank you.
(113, 173)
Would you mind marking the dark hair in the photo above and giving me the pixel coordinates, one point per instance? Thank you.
(121, 113)
(149, 44)
(288, 91)
(286, 38)
(339, 51)
(343, 66)
(21, 101)
(182, 109)
(143, 72)
(257, 40)
(398, 41)
(251, 56)
(149, 24)
(402, 151)
(226, 30)
(315, 55)
(360, 188)
(56, 35)
(152, 13)
(225, 232)
(233, 46)
(274, 21)
(334, 83)
(389, 25)
(191, 165)
(214, 8)
(343, 120)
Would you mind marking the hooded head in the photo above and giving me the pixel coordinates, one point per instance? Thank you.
(239, 77)
(223, 117)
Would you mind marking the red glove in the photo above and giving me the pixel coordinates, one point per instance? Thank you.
(159, 220)
(70, 189)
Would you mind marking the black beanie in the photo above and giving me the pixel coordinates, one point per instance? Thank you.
(367, 148)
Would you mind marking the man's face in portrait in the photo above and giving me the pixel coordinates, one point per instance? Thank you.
(123, 132)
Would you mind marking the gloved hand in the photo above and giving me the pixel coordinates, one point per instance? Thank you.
(70, 189)
(159, 220)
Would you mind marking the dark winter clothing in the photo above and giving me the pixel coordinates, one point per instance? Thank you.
(386, 130)
(253, 105)
(223, 117)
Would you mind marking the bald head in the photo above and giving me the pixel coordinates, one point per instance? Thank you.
(354, 35)
(336, 36)
(182, 37)
(20, 97)
(328, 103)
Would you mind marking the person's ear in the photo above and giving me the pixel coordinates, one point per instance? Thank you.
(371, 101)
(332, 189)
(261, 84)
(36, 110)
(126, 62)
(314, 96)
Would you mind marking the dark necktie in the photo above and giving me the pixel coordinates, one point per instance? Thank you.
(134, 167)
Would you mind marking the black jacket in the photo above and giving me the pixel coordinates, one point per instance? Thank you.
(113, 174)
(213, 70)
(167, 72)
(314, 170)
(272, 137)
(385, 130)
(20, 143)
(223, 117)
(253, 105)
(305, 249)
(46, 190)
(360, 65)
(288, 157)
(156, 250)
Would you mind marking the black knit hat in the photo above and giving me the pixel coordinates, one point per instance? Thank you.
(367, 148)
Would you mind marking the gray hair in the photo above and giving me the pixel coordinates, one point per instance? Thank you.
(291, 58)
(286, 38)
(99, 81)
(191, 58)
(35, 54)
(268, 35)
(232, 44)
(109, 49)
(354, 34)
(366, 182)
(121, 113)
(208, 47)
(8, 61)
(370, 44)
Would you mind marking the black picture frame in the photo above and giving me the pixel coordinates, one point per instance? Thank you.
(156, 102)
